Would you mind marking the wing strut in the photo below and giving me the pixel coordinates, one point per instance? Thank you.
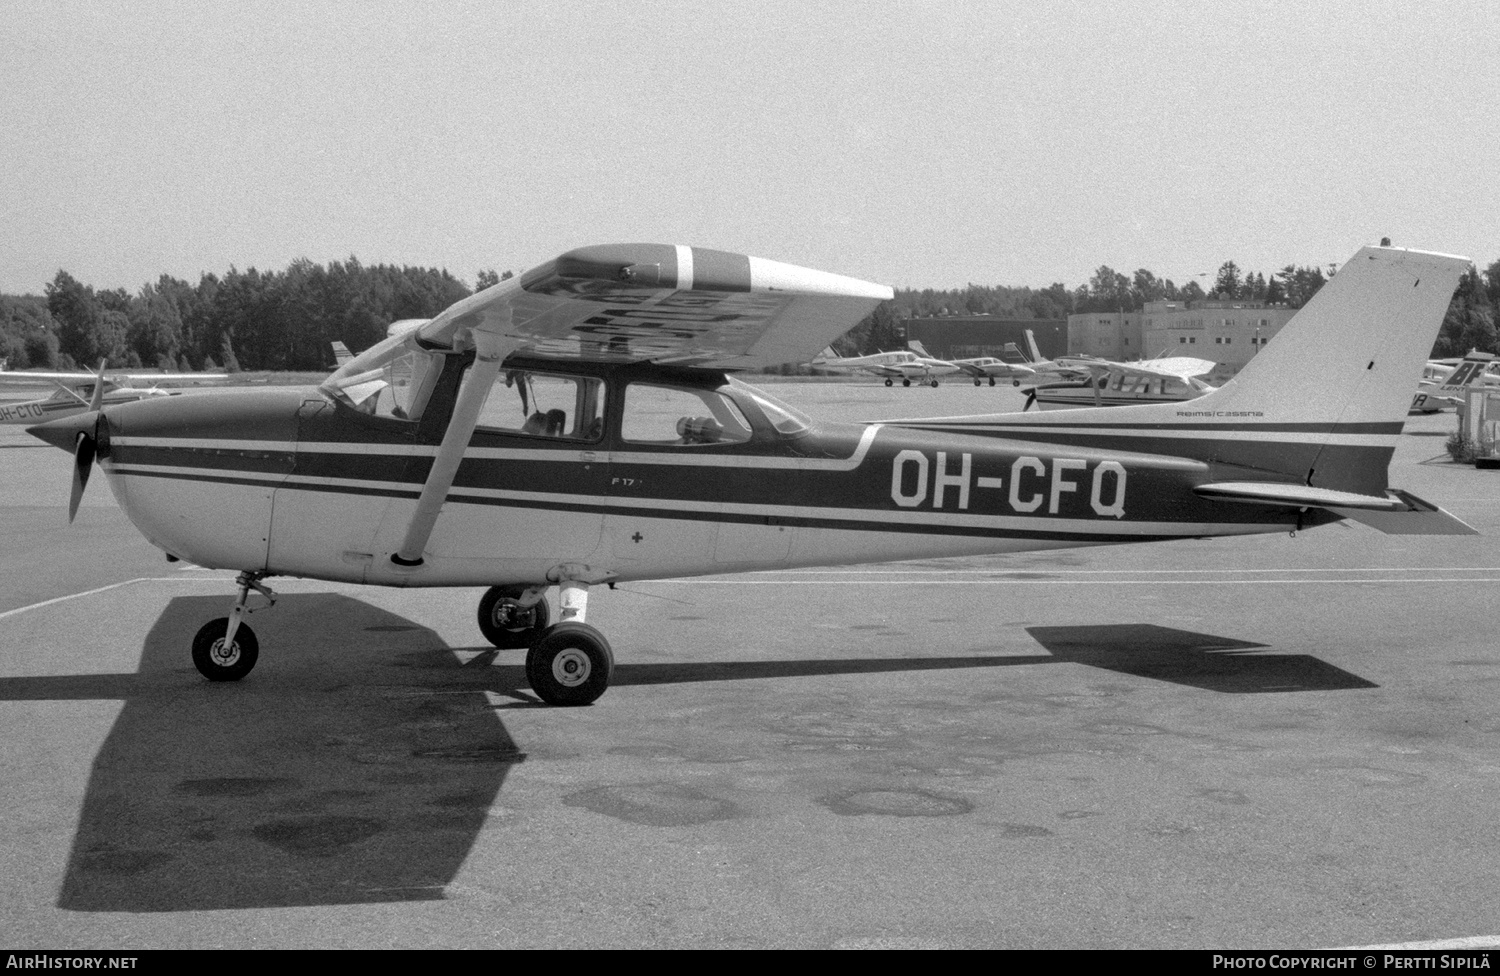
(489, 351)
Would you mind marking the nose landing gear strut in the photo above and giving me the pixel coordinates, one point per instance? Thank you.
(225, 649)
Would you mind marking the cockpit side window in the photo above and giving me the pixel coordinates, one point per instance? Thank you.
(665, 415)
(544, 405)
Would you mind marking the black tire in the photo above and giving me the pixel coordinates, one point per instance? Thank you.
(992, 381)
(208, 651)
(934, 384)
(906, 382)
(570, 664)
(887, 382)
(1015, 382)
(505, 624)
(976, 382)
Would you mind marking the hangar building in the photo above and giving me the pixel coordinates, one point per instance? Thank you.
(1227, 331)
(968, 336)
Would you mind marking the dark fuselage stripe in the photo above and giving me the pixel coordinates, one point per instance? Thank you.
(992, 428)
(874, 524)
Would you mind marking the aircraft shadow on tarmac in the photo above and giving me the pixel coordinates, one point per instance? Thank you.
(1145, 650)
(349, 770)
(341, 771)
(1197, 660)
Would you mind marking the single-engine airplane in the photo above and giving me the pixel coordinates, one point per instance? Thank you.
(1104, 383)
(576, 426)
(75, 391)
(1445, 382)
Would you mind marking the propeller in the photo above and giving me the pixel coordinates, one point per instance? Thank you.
(85, 445)
(83, 463)
(1030, 399)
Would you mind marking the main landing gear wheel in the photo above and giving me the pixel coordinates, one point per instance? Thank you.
(505, 623)
(219, 663)
(934, 384)
(570, 664)
(906, 382)
(992, 381)
(976, 382)
(887, 382)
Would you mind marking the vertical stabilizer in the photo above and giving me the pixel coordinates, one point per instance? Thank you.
(1036, 355)
(1351, 354)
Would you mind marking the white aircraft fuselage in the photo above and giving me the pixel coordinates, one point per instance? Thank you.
(287, 483)
(591, 489)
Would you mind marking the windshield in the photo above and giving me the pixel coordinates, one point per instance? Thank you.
(397, 388)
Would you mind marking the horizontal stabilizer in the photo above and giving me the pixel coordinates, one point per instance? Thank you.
(1305, 496)
(1397, 513)
(1417, 517)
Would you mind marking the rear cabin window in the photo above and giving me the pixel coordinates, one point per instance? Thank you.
(665, 415)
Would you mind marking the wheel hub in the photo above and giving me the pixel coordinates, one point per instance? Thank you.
(225, 657)
(571, 667)
(514, 617)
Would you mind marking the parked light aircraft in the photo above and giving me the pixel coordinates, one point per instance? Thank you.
(1110, 384)
(575, 426)
(982, 367)
(76, 390)
(1444, 381)
(902, 364)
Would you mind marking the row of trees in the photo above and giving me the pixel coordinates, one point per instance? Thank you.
(243, 320)
(285, 320)
(1110, 291)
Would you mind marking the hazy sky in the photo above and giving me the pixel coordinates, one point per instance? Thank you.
(913, 144)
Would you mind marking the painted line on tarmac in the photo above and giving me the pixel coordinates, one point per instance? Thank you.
(105, 589)
(1138, 572)
(1058, 582)
(1472, 942)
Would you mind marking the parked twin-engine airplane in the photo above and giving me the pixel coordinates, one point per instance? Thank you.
(576, 426)
(75, 391)
(902, 364)
(990, 367)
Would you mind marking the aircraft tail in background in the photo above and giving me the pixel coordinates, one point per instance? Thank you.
(1032, 350)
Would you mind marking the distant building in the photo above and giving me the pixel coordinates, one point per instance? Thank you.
(1108, 335)
(968, 336)
(1226, 331)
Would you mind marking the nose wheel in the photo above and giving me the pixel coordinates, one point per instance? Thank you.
(226, 649)
(218, 661)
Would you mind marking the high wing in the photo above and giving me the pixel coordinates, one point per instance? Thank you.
(656, 302)
(617, 303)
(1178, 367)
